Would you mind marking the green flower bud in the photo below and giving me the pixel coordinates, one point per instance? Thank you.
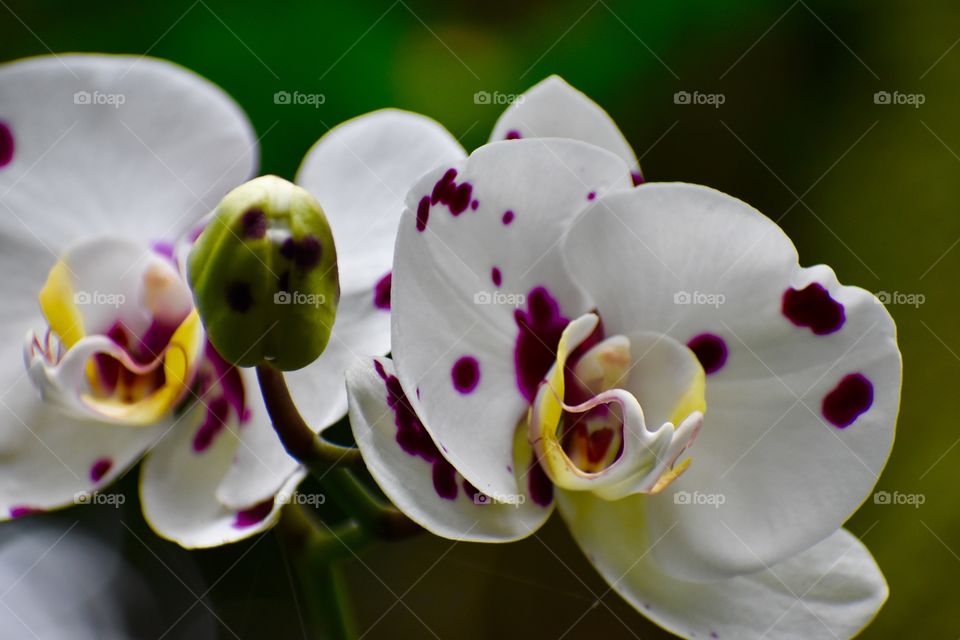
(264, 276)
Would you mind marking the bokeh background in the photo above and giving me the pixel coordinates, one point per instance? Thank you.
(871, 189)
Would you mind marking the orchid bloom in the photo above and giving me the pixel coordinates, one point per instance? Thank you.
(649, 360)
(108, 167)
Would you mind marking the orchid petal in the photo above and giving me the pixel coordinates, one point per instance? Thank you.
(829, 591)
(455, 331)
(129, 145)
(417, 477)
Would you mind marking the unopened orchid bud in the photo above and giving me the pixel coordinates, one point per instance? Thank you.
(264, 276)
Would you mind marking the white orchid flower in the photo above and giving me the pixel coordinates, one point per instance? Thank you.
(108, 165)
(652, 361)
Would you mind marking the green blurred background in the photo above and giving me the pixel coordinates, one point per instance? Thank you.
(879, 187)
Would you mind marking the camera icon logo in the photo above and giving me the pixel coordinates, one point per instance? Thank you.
(681, 97)
(481, 97)
(482, 297)
(281, 97)
(81, 297)
(881, 97)
(82, 97)
(481, 499)
(682, 297)
(282, 297)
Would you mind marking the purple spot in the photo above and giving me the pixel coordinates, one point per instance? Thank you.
(6, 144)
(472, 492)
(218, 410)
(637, 178)
(813, 307)
(231, 382)
(239, 297)
(100, 469)
(423, 213)
(592, 195)
(381, 292)
(380, 370)
(851, 398)
(507, 217)
(496, 276)
(20, 511)
(445, 479)
(475, 204)
(253, 515)
(304, 253)
(540, 328)
(196, 231)
(163, 248)
(446, 191)
(414, 439)
(465, 374)
(153, 342)
(253, 224)
(541, 488)
(710, 350)
(513, 134)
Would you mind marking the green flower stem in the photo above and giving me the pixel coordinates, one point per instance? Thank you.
(297, 437)
(382, 520)
(317, 553)
(326, 460)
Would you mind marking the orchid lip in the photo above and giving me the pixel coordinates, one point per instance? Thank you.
(589, 431)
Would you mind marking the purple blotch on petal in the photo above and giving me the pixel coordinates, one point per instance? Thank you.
(513, 134)
(6, 144)
(423, 213)
(253, 515)
(813, 307)
(465, 374)
(445, 479)
(100, 468)
(592, 195)
(20, 511)
(852, 397)
(496, 276)
(540, 327)
(475, 204)
(507, 217)
(711, 351)
(381, 292)
(637, 178)
(540, 486)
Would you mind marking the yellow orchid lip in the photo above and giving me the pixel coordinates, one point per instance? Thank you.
(602, 444)
(120, 376)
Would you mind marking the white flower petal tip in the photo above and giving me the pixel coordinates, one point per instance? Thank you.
(123, 343)
(176, 161)
(422, 480)
(818, 362)
(601, 444)
(554, 109)
(832, 590)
